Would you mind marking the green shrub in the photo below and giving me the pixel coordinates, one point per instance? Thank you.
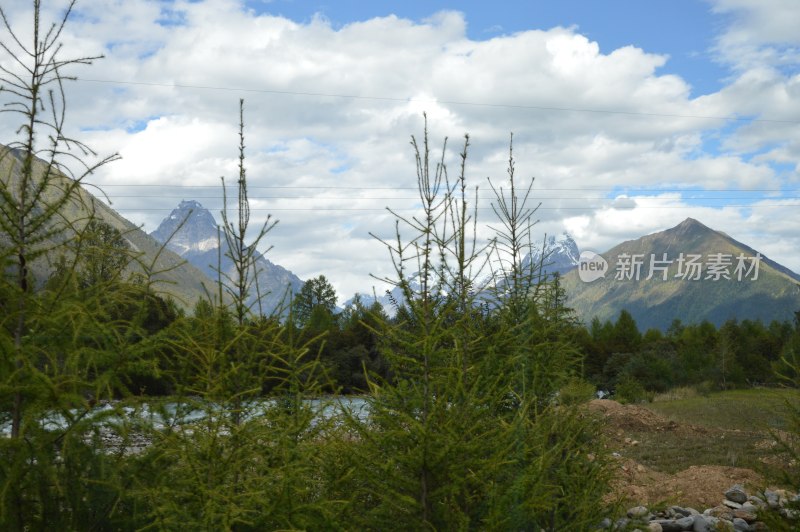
(575, 392)
(629, 390)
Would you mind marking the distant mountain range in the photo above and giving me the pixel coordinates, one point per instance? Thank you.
(690, 272)
(194, 236)
(186, 268)
(552, 256)
(173, 276)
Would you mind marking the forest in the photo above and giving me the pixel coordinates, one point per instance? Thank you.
(122, 412)
(736, 355)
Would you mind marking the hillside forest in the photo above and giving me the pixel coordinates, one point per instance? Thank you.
(739, 354)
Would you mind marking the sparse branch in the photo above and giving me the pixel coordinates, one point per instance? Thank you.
(513, 238)
(242, 254)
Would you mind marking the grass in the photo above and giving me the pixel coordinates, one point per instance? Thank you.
(732, 428)
(756, 409)
(671, 453)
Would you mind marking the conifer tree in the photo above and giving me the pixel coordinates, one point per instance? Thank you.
(62, 353)
(243, 448)
(443, 448)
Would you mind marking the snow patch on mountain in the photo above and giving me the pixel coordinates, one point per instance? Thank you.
(554, 255)
(191, 231)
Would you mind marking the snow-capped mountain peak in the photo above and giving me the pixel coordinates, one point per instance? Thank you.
(198, 241)
(555, 255)
(197, 234)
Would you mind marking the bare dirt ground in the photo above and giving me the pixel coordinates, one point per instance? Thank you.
(635, 433)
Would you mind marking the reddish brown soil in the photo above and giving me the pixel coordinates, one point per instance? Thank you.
(697, 486)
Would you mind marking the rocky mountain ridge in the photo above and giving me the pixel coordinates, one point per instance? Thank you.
(170, 275)
(689, 272)
(554, 255)
(191, 231)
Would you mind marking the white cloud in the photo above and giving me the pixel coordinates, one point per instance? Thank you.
(760, 32)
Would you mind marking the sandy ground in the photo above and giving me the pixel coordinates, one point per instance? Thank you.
(697, 486)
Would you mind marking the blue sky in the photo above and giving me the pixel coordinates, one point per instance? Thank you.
(630, 115)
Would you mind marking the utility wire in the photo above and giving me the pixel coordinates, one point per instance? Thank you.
(541, 208)
(448, 102)
(401, 198)
(621, 190)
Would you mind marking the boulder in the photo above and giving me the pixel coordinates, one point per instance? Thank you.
(736, 494)
(639, 512)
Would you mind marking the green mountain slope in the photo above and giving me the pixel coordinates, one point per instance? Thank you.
(690, 284)
(173, 276)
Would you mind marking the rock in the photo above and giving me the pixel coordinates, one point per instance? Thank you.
(678, 511)
(751, 507)
(736, 493)
(723, 525)
(756, 501)
(740, 525)
(675, 525)
(639, 512)
(667, 525)
(783, 497)
(773, 499)
(729, 516)
(605, 524)
(704, 523)
(790, 514)
(747, 512)
(720, 512)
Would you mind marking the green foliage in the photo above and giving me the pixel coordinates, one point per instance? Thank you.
(738, 355)
(627, 337)
(464, 433)
(314, 304)
(788, 371)
(60, 352)
(463, 428)
(231, 458)
(103, 254)
(629, 390)
(576, 392)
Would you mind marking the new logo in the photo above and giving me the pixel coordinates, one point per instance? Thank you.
(591, 266)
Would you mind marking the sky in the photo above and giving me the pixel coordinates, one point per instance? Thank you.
(629, 116)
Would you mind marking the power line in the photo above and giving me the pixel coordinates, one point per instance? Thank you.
(540, 208)
(448, 102)
(410, 198)
(706, 196)
(621, 190)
